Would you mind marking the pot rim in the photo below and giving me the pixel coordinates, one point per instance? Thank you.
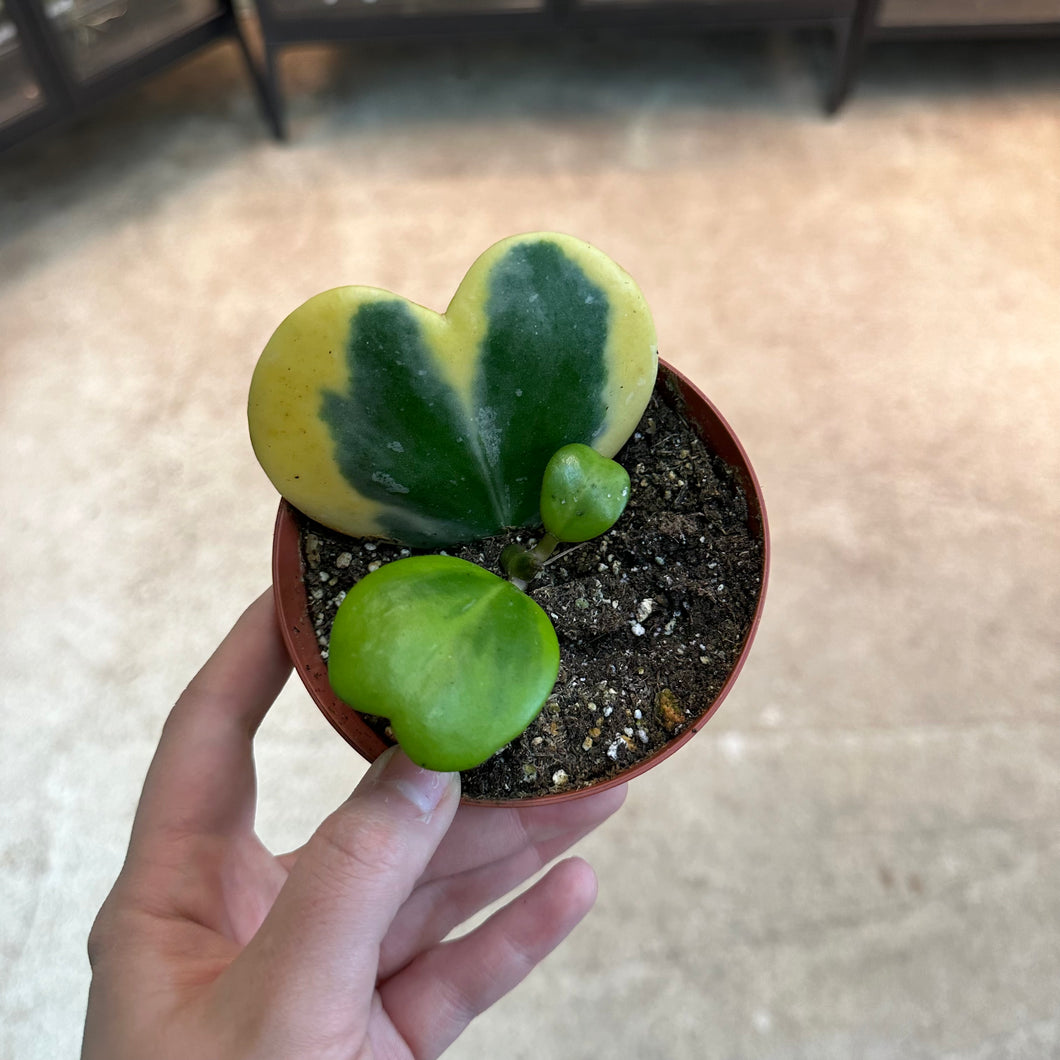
(299, 637)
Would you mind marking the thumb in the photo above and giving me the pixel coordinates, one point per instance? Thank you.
(319, 944)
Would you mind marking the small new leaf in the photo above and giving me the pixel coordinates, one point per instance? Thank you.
(582, 493)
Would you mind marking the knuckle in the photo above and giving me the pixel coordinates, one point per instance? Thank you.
(458, 1004)
(101, 935)
(359, 846)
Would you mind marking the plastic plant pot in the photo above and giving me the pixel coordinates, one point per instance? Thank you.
(300, 638)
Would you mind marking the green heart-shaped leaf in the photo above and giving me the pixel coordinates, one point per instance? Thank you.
(378, 417)
(582, 493)
(456, 658)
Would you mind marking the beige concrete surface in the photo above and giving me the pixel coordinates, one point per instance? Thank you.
(860, 856)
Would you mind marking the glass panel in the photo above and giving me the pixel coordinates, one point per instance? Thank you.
(99, 34)
(967, 12)
(19, 91)
(345, 9)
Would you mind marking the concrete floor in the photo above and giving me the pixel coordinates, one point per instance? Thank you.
(860, 856)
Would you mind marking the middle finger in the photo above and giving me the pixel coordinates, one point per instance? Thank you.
(515, 851)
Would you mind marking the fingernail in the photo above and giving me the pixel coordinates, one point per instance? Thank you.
(424, 788)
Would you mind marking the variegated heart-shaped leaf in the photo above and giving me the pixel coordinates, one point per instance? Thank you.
(378, 417)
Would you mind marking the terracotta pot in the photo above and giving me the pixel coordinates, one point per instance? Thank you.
(297, 627)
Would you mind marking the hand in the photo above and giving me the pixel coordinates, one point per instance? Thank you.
(211, 948)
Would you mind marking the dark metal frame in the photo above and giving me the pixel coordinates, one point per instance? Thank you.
(855, 24)
(865, 28)
(40, 51)
(65, 96)
(280, 30)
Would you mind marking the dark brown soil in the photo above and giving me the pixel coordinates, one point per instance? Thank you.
(651, 617)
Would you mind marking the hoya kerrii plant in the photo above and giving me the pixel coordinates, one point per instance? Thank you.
(380, 418)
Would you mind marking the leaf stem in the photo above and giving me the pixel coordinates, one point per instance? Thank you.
(522, 564)
(544, 548)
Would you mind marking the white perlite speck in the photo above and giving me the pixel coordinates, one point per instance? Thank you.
(644, 608)
(638, 629)
(560, 777)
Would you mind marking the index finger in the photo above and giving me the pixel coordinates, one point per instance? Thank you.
(201, 779)
(481, 835)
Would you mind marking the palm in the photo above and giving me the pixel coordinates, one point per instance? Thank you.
(231, 886)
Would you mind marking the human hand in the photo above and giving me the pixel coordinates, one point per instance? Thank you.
(211, 948)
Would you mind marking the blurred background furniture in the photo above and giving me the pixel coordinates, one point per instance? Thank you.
(937, 19)
(60, 57)
(291, 22)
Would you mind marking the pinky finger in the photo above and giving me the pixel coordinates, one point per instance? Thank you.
(434, 998)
